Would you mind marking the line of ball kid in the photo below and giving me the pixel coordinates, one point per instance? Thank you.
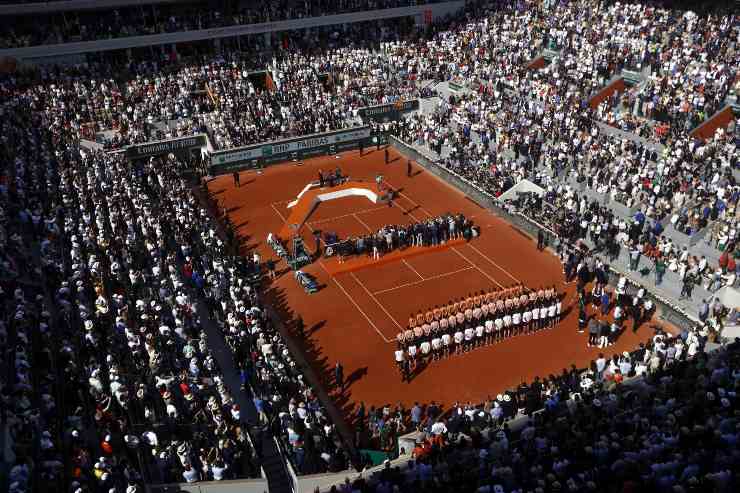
(477, 320)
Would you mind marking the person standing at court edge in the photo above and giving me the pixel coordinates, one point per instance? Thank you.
(339, 376)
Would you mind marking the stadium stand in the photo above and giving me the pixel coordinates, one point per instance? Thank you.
(117, 281)
(671, 427)
(137, 19)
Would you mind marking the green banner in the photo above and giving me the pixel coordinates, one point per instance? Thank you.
(286, 150)
(456, 86)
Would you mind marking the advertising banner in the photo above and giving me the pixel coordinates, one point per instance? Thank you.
(388, 112)
(287, 150)
(161, 147)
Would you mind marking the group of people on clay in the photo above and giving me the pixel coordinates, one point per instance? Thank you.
(475, 321)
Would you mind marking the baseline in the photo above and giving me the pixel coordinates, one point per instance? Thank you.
(362, 312)
(363, 223)
(372, 296)
(284, 219)
(413, 202)
(477, 267)
(486, 257)
(412, 268)
(329, 219)
(423, 280)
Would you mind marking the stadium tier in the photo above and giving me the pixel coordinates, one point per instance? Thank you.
(369, 246)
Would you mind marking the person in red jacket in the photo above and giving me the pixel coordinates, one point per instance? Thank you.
(187, 269)
(723, 261)
(731, 265)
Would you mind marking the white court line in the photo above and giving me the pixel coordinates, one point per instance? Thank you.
(408, 213)
(422, 209)
(313, 230)
(471, 246)
(278, 212)
(360, 309)
(363, 223)
(493, 263)
(475, 266)
(415, 271)
(376, 301)
(364, 211)
(414, 283)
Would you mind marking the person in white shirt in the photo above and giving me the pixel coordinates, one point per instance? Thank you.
(543, 316)
(189, 474)
(535, 319)
(693, 347)
(446, 341)
(399, 354)
(489, 331)
(600, 365)
(425, 349)
(412, 356)
(647, 309)
(679, 350)
(469, 335)
(436, 348)
(526, 319)
(625, 365)
(551, 312)
(499, 323)
(507, 325)
(459, 338)
(516, 321)
(479, 332)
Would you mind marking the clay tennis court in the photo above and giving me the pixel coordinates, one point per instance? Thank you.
(356, 315)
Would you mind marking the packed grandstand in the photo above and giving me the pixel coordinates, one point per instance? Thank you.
(138, 349)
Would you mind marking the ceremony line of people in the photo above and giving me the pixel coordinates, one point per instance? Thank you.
(432, 232)
(475, 321)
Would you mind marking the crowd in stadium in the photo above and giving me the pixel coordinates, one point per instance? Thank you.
(57, 28)
(286, 403)
(220, 98)
(112, 272)
(673, 428)
(575, 217)
(141, 389)
(536, 116)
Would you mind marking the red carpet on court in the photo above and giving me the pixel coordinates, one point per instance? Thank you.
(333, 266)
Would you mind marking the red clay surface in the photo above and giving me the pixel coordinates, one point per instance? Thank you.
(355, 316)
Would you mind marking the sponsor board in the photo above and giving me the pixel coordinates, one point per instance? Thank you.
(158, 148)
(237, 155)
(298, 148)
(388, 112)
